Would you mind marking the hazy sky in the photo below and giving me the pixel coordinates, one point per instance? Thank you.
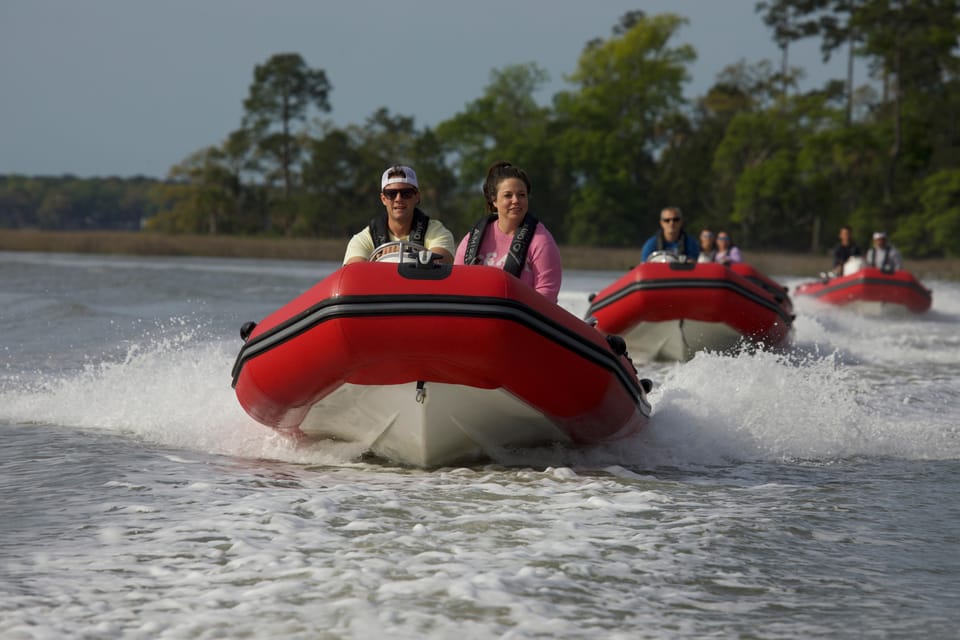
(128, 87)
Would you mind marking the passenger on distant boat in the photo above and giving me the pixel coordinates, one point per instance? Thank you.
(708, 247)
(402, 220)
(843, 250)
(518, 242)
(671, 238)
(883, 255)
(727, 252)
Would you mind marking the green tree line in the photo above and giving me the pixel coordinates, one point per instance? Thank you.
(779, 167)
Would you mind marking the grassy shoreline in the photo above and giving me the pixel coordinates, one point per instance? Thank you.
(331, 249)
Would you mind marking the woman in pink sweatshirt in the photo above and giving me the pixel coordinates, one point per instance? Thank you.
(511, 238)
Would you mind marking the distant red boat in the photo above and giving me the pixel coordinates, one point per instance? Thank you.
(872, 291)
(428, 365)
(671, 310)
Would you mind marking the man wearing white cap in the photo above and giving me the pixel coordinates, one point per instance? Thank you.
(882, 255)
(402, 220)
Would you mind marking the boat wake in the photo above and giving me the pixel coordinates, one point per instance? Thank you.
(715, 409)
(173, 391)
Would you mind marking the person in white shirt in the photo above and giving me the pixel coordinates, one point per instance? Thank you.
(708, 246)
(883, 255)
(402, 219)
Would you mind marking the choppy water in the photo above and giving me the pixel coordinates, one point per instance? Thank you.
(814, 493)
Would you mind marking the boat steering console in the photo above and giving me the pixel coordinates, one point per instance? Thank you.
(675, 260)
(414, 260)
(404, 252)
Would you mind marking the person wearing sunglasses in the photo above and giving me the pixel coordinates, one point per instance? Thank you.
(708, 246)
(402, 219)
(509, 236)
(727, 252)
(671, 238)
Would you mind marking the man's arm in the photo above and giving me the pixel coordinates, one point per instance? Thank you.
(648, 248)
(895, 259)
(359, 248)
(693, 249)
(439, 240)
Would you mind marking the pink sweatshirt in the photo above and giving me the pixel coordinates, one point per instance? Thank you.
(542, 270)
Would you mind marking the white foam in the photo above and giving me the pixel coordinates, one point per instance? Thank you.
(173, 391)
(817, 402)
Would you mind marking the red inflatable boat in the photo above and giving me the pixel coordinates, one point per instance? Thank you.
(671, 310)
(427, 365)
(871, 290)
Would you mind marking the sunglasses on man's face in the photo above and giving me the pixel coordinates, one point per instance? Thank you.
(406, 194)
(723, 237)
(671, 220)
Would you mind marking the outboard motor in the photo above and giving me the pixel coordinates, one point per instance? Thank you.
(852, 265)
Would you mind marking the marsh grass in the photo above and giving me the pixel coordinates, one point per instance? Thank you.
(331, 249)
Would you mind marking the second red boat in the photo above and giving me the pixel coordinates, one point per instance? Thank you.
(670, 311)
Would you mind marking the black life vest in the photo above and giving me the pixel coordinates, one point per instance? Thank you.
(887, 265)
(519, 246)
(418, 228)
(681, 243)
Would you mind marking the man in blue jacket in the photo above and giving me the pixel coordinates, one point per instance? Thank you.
(672, 238)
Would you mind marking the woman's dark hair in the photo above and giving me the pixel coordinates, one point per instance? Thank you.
(497, 173)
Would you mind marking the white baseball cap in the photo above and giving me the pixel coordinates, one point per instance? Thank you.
(399, 173)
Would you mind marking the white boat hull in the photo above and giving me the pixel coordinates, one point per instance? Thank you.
(679, 340)
(451, 423)
(876, 308)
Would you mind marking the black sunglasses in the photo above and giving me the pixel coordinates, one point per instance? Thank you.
(671, 219)
(406, 194)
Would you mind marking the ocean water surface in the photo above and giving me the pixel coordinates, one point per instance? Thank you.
(813, 492)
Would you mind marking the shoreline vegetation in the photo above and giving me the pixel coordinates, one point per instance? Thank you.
(331, 249)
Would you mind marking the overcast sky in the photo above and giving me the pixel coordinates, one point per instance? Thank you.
(132, 87)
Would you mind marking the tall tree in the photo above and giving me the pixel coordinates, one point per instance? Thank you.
(758, 165)
(915, 43)
(334, 182)
(836, 26)
(785, 17)
(342, 173)
(629, 92)
(684, 175)
(505, 123)
(283, 91)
